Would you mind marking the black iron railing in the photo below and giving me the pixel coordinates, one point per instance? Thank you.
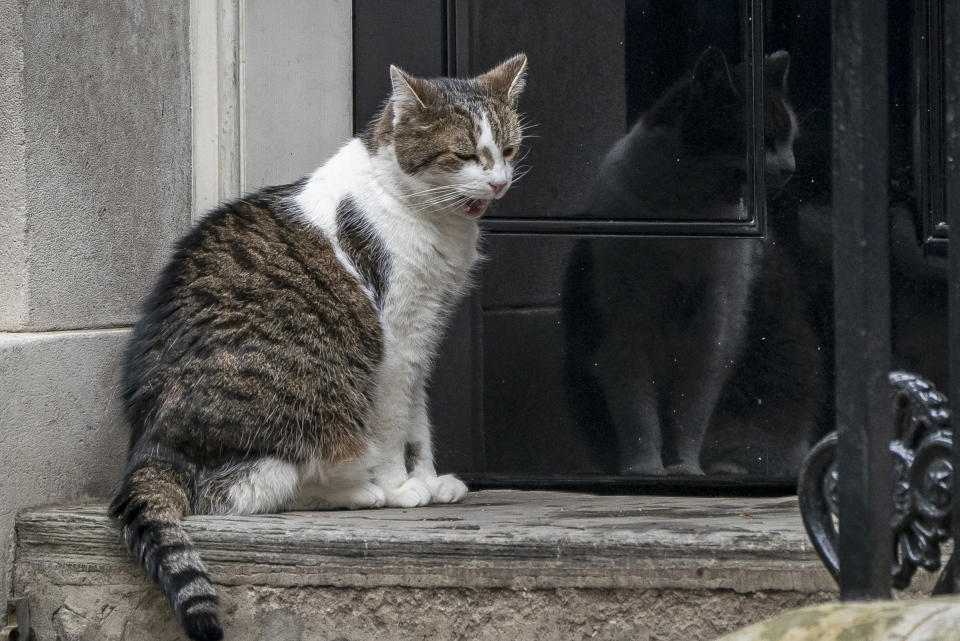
(877, 496)
(920, 509)
(862, 294)
(951, 91)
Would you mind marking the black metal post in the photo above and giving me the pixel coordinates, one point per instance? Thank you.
(951, 87)
(861, 258)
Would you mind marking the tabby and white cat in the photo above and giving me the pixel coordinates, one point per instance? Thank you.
(283, 356)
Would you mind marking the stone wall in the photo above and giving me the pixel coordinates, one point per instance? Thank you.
(94, 187)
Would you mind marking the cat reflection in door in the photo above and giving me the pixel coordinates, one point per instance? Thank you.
(670, 315)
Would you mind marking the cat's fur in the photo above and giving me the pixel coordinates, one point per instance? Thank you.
(660, 326)
(282, 359)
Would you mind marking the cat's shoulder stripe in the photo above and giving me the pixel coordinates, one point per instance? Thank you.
(364, 246)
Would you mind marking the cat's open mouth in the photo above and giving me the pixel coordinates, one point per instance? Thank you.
(474, 207)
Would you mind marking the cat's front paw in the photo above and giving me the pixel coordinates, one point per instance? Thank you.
(446, 489)
(411, 493)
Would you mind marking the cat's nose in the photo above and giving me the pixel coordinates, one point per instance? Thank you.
(497, 187)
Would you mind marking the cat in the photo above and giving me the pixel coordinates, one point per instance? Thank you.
(654, 326)
(282, 358)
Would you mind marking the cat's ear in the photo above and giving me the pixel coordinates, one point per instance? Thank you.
(776, 67)
(508, 78)
(711, 77)
(410, 91)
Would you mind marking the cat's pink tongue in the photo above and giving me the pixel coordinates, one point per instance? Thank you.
(475, 208)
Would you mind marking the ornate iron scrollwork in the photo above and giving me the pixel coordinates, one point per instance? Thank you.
(923, 483)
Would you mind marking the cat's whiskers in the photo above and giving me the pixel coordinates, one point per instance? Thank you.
(432, 189)
(427, 204)
(442, 196)
(433, 197)
(526, 126)
(520, 170)
(442, 207)
(517, 180)
(524, 121)
(450, 196)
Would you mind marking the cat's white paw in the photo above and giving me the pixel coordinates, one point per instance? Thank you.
(411, 493)
(446, 489)
(357, 497)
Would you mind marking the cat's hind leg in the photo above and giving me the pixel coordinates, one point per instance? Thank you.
(361, 496)
(248, 487)
(347, 486)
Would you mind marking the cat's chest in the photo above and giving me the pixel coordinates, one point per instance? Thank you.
(428, 274)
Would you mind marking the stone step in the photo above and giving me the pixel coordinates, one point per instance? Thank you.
(936, 619)
(503, 565)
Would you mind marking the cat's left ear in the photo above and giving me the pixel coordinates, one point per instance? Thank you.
(508, 78)
(410, 91)
(778, 64)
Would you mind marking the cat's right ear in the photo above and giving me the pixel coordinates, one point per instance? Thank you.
(508, 78)
(711, 76)
(409, 91)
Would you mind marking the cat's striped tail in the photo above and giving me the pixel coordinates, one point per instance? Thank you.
(150, 505)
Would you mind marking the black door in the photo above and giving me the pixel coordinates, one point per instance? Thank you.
(656, 305)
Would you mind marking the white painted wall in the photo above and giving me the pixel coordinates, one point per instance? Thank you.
(272, 91)
(297, 87)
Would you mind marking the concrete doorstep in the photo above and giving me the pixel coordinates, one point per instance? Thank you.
(504, 565)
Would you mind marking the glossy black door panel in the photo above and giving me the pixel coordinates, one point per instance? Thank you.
(527, 431)
(455, 394)
(410, 34)
(524, 270)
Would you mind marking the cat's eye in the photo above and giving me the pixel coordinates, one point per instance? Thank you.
(509, 151)
(466, 156)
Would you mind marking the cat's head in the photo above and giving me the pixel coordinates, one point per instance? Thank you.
(713, 116)
(454, 140)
